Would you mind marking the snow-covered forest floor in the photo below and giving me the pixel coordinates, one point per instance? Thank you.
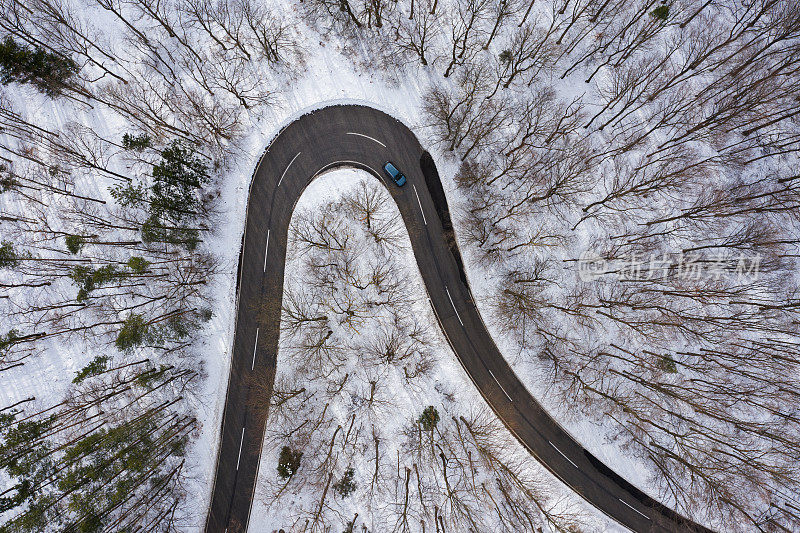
(657, 139)
(368, 406)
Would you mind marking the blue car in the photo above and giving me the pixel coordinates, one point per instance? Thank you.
(395, 174)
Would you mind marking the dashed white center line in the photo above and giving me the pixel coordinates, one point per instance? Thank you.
(501, 387)
(562, 455)
(454, 305)
(266, 250)
(240, 450)
(287, 168)
(632, 507)
(420, 205)
(255, 347)
(367, 136)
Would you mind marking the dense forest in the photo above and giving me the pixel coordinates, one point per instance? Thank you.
(652, 143)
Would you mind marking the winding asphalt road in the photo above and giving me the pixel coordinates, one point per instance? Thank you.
(363, 137)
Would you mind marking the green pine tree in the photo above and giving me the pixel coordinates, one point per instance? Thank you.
(429, 418)
(50, 73)
(8, 340)
(88, 279)
(133, 333)
(138, 265)
(345, 486)
(98, 365)
(661, 12)
(8, 257)
(667, 364)
(74, 243)
(288, 462)
(129, 194)
(8, 180)
(154, 230)
(173, 200)
(136, 143)
(177, 179)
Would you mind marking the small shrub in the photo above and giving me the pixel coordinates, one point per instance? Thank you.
(667, 364)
